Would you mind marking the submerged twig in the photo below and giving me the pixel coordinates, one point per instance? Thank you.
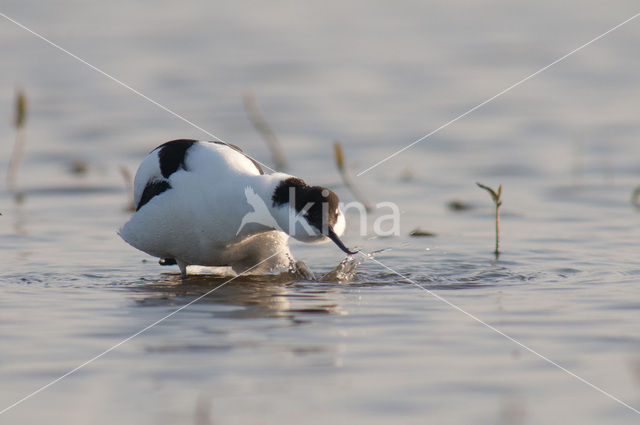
(495, 195)
(346, 177)
(78, 166)
(18, 149)
(459, 206)
(418, 232)
(262, 127)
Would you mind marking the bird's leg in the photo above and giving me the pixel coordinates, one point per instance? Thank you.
(183, 268)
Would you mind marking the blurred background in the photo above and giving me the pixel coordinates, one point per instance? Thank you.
(376, 76)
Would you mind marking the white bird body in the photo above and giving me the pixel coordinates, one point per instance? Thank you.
(208, 204)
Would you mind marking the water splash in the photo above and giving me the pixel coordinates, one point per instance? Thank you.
(346, 270)
(302, 271)
(298, 270)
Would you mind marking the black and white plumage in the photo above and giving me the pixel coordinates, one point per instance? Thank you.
(208, 204)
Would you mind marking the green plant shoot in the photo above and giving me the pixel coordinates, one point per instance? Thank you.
(496, 196)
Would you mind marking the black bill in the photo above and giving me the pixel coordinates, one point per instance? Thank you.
(332, 235)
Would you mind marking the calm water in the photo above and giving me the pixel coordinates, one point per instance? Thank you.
(376, 76)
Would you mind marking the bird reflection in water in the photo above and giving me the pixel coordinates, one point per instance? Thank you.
(254, 296)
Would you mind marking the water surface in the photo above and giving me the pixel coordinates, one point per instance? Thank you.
(378, 349)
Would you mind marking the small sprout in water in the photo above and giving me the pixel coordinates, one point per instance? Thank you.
(346, 177)
(262, 127)
(418, 232)
(495, 195)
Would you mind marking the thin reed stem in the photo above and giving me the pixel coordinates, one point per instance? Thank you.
(18, 148)
(264, 129)
(346, 177)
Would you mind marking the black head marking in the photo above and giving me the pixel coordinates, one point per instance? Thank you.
(172, 154)
(281, 193)
(304, 194)
(234, 147)
(153, 188)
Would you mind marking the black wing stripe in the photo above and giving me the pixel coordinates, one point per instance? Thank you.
(172, 154)
(153, 188)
